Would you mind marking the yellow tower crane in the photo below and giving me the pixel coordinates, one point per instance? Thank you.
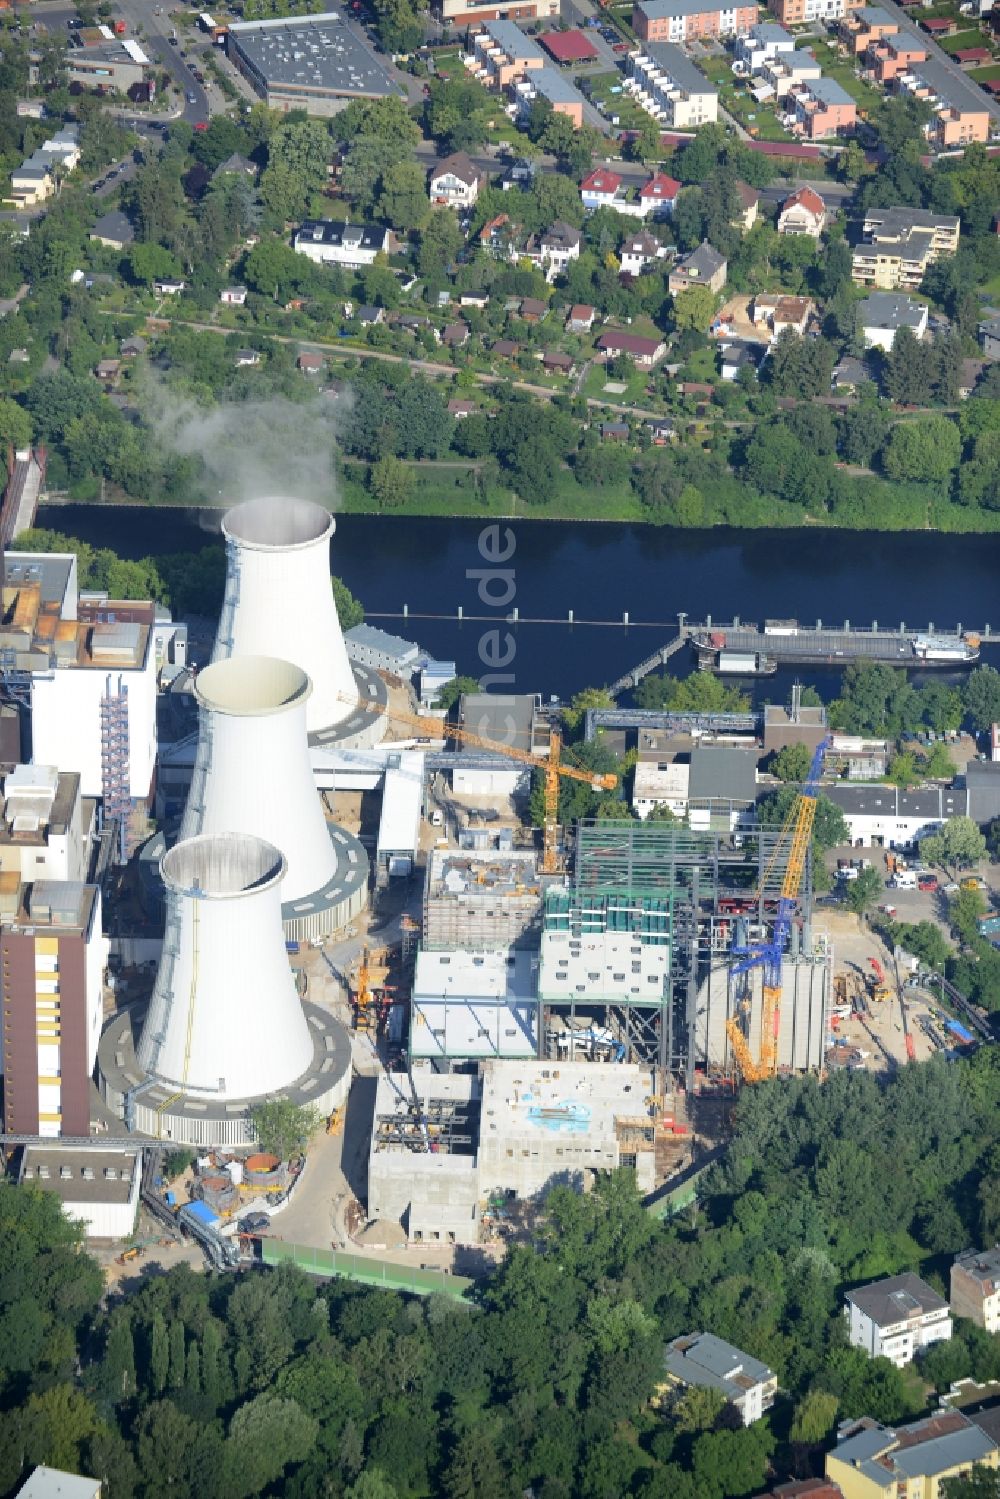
(552, 768)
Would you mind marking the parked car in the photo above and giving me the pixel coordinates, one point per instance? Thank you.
(927, 883)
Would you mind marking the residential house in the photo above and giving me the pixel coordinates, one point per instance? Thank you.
(614, 432)
(703, 267)
(310, 364)
(520, 173)
(871, 1461)
(233, 296)
(639, 251)
(550, 84)
(113, 230)
(735, 357)
(850, 373)
(661, 431)
(690, 20)
(782, 79)
(860, 28)
(900, 243)
(169, 286)
(646, 352)
(803, 212)
(749, 207)
(803, 12)
(762, 43)
(462, 409)
(888, 817)
(896, 1318)
(133, 346)
(706, 1362)
(368, 316)
(504, 348)
(235, 165)
(107, 369)
(455, 182)
(824, 108)
(778, 312)
(969, 377)
(975, 1287)
(658, 196)
(328, 242)
(246, 359)
(500, 237)
(881, 315)
(894, 57)
(556, 363)
(603, 189)
(668, 86)
(499, 53)
(455, 335)
(37, 178)
(461, 13)
(532, 309)
(477, 299)
(581, 319)
(559, 245)
(806, 1488)
(989, 337)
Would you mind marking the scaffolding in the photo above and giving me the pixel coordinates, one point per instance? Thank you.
(116, 801)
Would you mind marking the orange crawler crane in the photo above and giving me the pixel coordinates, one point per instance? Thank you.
(552, 768)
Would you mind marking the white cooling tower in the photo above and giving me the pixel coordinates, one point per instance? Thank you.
(224, 1021)
(252, 772)
(279, 599)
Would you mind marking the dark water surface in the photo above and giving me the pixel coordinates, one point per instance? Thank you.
(600, 572)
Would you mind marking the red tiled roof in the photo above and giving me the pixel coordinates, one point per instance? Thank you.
(748, 195)
(601, 181)
(628, 343)
(941, 24)
(973, 54)
(580, 312)
(661, 187)
(804, 197)
(568, 46)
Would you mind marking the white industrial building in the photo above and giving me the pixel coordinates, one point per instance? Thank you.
(369, 646)
(892, 817)
(474, 1004)
(402, 806)
(96, 1187)
(45, 825)
(279, 602)
(444, 1146)
(92, 666)
(252, 774)
(505, 719)
(896, 1318)
(225, 1025)
(597, 961)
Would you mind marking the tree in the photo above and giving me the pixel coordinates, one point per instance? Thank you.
(693, 308)
(863, 892)
(697, 1409)
(925, 449)
(349, 611)
(981, 1483)
(589, 697)
(453, 690)
(390, 481)
(982, 698)
(964, 914)
(283, 192)
(283, 1128)
(792, 762)
(440, 241)
(813, 1418)
(938, 765)
(958, 844)
(15, 425)
(269, 1434)
(403, 199)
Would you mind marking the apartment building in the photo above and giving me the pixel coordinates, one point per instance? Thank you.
(329, 242)
(960, 116)
(688, 20)
(763, 43)
(548, 83)
(899, 244)
(871, 1461)
(892, 57)
(787, 75)
(709, 1363)
(975, 1287)
(799, 12)
(896, 1318)
(475, 12)
(500, 53)
(881, 316)
(666, 83)
(824, 108)
(870, 24)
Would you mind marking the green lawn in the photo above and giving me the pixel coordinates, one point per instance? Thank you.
(985, 75)
(841, 72)
(963, 40)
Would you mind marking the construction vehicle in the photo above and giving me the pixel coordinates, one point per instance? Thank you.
(793, 843)
(134, 1252)
(371, 974)
(911, 1051)
(552, 768)
(878, 987)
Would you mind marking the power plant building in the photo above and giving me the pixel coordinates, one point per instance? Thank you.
(252, 774)
(225, 1026)
(91, 665)
(279, 602)
(45, 825)
(52, 961)
(481, 899)
(98, 1188)
(474, 1004)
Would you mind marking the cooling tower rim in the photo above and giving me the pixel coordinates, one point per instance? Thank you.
(238, 686)
(278, 523)
(222, 866)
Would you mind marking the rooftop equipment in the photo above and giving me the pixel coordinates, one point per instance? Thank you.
(224, 1021)
(279, 599)
(252, 772)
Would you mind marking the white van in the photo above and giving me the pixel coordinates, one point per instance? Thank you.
(904, 879)
(437, 820)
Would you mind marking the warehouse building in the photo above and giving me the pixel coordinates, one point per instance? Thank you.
(474, 1004)
(316, 63)
(377, 649)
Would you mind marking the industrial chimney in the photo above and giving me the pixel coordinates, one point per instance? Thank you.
(225, 1021)
(279, 600)
(252, 774)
